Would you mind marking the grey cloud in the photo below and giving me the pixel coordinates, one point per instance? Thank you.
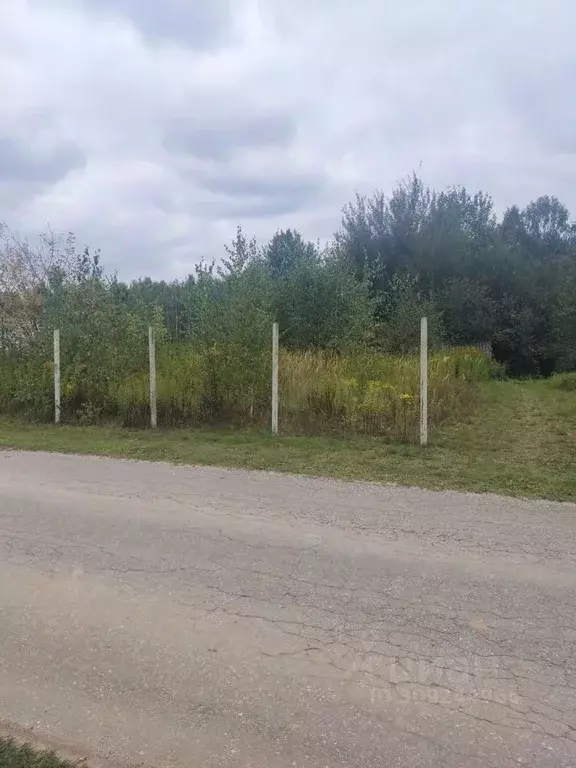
(274, 112)
(196, 23)
(255, 196)
(541, 100)
(219, 140)
(21, 162)
(262, 207)
(304, 185)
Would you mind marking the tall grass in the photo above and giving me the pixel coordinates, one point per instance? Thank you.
(197, 386)
(319, 391)
(377, 394)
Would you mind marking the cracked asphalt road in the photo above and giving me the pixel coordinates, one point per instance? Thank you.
(167, 616)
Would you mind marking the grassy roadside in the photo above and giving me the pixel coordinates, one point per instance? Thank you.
(521, 442)
(13, 755)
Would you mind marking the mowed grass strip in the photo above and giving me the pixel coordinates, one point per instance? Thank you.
(521, 441)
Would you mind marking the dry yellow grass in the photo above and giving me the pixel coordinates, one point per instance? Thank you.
(377, 394)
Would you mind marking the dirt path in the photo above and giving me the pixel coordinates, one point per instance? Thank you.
(158, 616)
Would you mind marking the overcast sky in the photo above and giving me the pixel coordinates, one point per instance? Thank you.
(151, 128)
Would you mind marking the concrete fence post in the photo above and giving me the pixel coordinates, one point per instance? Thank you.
(57, 400)
(424, 381)
(153, 399)
(275, 354)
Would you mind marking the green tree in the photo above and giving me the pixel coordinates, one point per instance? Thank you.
(288, 251)
(320, 304)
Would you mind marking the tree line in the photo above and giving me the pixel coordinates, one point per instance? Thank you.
(509, 280)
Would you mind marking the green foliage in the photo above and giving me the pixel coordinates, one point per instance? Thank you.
(344, 311)
(200, 385)
(14, 755)
(401, 307)
(287, 251)
(511, 282)
(318, 305)
(563, 320)
(468, 310)
(322, 390)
